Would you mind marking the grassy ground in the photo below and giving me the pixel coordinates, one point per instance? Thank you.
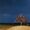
(4, 27)
(9, 27)
(19, 28)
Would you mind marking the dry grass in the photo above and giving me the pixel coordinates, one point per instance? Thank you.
(6, 27)
(19, 28)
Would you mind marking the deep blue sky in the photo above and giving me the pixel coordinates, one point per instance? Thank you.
(10, 8)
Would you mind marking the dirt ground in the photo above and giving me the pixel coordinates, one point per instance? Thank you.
(5, 27)
(19, 28)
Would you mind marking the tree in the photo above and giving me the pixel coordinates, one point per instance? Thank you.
(21, 19)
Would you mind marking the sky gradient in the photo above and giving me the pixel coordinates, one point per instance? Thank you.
(9, 9)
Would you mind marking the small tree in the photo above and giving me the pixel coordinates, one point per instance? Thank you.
(21, 19)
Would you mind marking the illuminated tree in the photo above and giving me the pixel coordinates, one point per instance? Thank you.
(21, 19)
